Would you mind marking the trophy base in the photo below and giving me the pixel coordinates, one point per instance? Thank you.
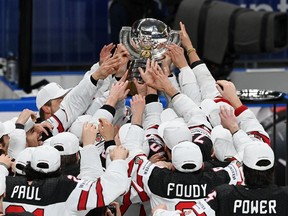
(133, 73)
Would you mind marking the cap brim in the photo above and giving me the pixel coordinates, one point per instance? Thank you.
(9, 126)
(62, 93)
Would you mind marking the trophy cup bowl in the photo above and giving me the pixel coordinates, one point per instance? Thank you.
(146, 39)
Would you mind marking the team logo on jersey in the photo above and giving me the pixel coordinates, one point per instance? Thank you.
(138, 160)
(99, 138)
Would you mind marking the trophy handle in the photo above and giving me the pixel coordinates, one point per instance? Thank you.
(125, 39)
(174, 37)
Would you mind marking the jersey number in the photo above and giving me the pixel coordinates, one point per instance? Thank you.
(19, 209)
(198, 138)
(187, 206)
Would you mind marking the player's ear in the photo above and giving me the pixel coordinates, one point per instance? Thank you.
(46, 109)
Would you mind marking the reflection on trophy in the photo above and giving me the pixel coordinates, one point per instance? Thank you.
(146, 39)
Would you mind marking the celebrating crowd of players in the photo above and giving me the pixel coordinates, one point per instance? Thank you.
(89, 154)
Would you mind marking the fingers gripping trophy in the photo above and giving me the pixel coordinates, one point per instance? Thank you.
(146, 39)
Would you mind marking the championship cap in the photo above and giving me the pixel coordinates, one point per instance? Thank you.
(222, 143)
(45, 159)
(174, 132)
(6, 127)
(123, 131)
(187, 157)
(169, 114)
(258, 156)
(77, 126)
(66, 143)
(22, 160)
(211, 110)
(49, 92)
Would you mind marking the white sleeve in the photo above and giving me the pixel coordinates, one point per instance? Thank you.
(17, 142)
(190, 111)
(175, 83)
(202, 208)
(249, 123)
(3, 173)
(120, 117)
(241, 140)
(189, 85)
(97, 103)
(90, 163)
(152, 114)
(90, 194)
(73, 105)
(206, 82)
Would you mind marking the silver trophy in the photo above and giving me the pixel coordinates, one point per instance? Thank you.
(146, 39)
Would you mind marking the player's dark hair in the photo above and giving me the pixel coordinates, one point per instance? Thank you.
(1, 139)
(256, 178)
(97, 211)
(32, 174)
(68, 159)
(41, 112)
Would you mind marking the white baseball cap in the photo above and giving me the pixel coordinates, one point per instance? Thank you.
(222, 143)
(174, 132)
(22, 159)
(45, 159)
(187, 157)
(169, 114)
(6, 127)
(258, 156)
(49, 92)
(123, 131)
(77, 126)
(66, 143)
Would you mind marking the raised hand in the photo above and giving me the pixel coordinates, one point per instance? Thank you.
(89, 133)
(228, 119)
(166, 63)
(141, 87)
(106, 52)
(155, 77)
(137, 107)
(124, 55)
(177, 56)
(119, 90)
(25, 115)
(119, 152)
(106, 129)
(184, 37)
(228, 91)
(109, 66)
(6, 160)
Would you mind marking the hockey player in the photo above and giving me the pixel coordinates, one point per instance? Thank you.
(259, 196)
(44, 191)
(65, 110)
